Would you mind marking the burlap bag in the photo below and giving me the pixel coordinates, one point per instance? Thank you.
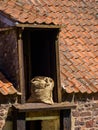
(41, 90)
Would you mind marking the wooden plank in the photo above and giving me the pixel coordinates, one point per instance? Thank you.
(37, 26)
(21, 68)
(42, 118)
(27, 107)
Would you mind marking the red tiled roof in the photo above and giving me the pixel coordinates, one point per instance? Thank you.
(78, 39)
(6, 87)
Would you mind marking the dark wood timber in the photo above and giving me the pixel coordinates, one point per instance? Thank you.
(21, 67)
(27, 61)
(66, 119)
(27, 107)
(20, 110)
(19, 121)
(59, 96)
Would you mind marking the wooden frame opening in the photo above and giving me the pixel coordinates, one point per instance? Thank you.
(29, 116)
(41, 57)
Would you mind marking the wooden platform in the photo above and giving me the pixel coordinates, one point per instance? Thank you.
(27, 107)
(41, 111)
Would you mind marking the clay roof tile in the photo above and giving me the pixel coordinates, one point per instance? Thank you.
(6, 87)
(78, 38)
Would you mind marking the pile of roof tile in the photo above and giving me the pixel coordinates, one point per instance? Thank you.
(6, 87)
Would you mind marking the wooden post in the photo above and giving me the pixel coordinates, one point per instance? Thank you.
(19, 122)
(65, 119)
(59, 95)
(21, 67)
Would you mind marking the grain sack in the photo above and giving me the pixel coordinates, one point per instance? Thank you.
(41, 90)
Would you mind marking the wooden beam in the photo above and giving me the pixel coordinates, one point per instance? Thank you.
(21, 110)
(30, 107)
(42, 118)
(21, 68)
(37, 26)
(59, 95)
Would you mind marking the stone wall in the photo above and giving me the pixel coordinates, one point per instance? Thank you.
(6, 102)
(3, 114)
(85, 116)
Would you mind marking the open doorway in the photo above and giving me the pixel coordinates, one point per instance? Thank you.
(40, 55)
(35, 125)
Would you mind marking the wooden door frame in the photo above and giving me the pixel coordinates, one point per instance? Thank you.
(57, 92)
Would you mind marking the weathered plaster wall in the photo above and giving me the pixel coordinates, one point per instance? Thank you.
(9, 55)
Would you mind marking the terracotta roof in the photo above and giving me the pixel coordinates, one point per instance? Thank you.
(6, 87)
(78, 39)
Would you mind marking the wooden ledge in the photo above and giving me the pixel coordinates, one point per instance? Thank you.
(28, 107)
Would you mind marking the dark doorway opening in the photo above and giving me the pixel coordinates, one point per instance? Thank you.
(40, 58)
(33, 125)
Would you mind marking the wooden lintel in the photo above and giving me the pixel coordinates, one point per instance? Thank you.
(30, 107)
(42, 118)
(37, 26)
